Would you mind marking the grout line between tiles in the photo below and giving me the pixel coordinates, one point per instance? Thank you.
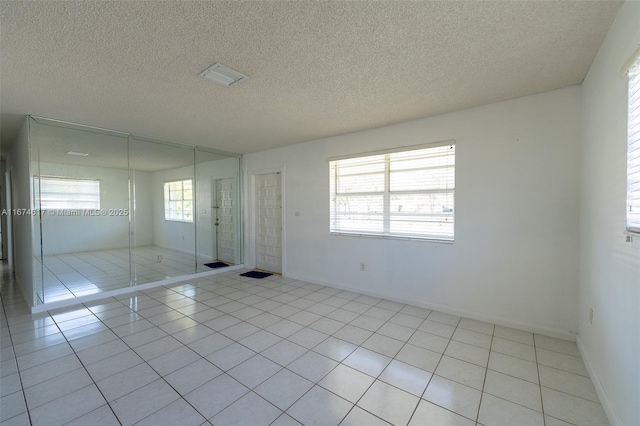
(535, 351)
(484, 381)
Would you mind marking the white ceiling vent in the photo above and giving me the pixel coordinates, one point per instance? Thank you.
(223, 75)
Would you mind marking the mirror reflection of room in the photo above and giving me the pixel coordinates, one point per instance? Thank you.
(120, 211)
(217, 210)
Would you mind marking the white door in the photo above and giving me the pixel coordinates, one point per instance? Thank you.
(225, 220)
(269, 222)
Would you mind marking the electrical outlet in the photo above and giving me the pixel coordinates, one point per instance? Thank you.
(591, 316)
(362, 266)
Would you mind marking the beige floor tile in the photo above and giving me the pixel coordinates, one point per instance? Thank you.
(468, 353)
(428, 413)
(453, 396)
(497, 411)
(406, 377)
(248, 410)
(572, 409)
(319, 406)
(389, 403)
(513, 389)
(347, 383)
(284, 388)
(358, 417)
(512, 366)
(461, 372)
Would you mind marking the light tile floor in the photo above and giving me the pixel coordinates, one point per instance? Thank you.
(230, 350)
(69, 275)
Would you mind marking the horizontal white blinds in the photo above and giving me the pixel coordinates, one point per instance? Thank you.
(402, 194)
(633, 156)
(66, 193)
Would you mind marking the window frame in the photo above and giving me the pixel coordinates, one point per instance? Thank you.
(387, 194)
(167, 201)
(37, 194)
(632, 72)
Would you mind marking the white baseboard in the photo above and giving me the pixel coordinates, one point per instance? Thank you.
(131, 289)
(560, 334)
(179, 250)
(602, 394)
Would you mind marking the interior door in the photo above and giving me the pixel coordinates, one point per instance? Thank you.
(225, 220)
(269, 222)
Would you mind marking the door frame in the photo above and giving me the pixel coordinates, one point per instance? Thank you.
(250, 238)
(214, 208)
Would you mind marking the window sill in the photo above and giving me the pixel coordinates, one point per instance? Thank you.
(393, 237)
(178, 221)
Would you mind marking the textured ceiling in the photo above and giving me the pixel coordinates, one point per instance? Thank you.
(315, 69)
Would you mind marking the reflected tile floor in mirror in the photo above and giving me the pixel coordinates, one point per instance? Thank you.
(71, 275)
(234, 350)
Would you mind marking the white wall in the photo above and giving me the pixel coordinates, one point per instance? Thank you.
(514, 260)
(144, 213)
(69, 234)
(18, 164)
(609, 267)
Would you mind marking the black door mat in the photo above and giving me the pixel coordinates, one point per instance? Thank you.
(216, 265)
(256, 274)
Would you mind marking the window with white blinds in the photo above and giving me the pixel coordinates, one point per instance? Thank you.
(633, 153)
(406, 194)
(178, 200)
(54, 193)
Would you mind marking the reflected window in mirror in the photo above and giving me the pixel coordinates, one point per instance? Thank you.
(178, 200)
(56, 193)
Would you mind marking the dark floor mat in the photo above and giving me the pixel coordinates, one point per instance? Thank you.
(256, 274)
(216, 265)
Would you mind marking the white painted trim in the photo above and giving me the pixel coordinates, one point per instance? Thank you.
(8, 202)
(250, 208)
(448, 310)
(131, 289)
(602, 394)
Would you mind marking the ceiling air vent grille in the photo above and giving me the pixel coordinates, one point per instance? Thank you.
(223, 75)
